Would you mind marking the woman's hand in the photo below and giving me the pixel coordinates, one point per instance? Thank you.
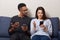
(34, 23)
(44, 27)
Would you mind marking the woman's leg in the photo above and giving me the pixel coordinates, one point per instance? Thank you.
(45, 38)
(36, 37)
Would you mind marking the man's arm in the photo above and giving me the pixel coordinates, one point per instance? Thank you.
(11, 29)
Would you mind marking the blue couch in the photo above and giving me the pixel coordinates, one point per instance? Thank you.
(5, 23)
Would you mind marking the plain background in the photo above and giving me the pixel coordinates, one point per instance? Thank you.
(9, 7)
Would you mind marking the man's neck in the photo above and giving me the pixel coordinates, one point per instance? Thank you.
(21, 15)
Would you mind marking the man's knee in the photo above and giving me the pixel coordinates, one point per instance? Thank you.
(13, 37)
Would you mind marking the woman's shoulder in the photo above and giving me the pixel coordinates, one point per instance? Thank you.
(48, 20)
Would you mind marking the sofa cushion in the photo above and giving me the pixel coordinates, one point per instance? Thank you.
(54, 38)
(4, 25)
(55, 25)
(59, 35)
(4, 38)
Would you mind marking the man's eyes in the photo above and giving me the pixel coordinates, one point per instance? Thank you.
(26, 10)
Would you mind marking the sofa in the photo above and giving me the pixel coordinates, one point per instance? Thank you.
(5, 23)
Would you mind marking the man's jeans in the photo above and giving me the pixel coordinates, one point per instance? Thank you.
(19, 36)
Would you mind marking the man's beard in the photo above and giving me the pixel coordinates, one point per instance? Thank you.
(25, 14)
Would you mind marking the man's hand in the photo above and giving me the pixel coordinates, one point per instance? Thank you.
(11, 30)
(14, 26)
(24, 28)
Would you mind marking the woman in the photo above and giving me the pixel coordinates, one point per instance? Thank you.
(41, 27)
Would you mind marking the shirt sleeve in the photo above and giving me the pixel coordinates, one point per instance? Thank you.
(49, 27)
(32, 31)
(12, 20)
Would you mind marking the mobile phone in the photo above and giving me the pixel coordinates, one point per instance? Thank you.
(16, 23)
(41, 22)
(24, 25)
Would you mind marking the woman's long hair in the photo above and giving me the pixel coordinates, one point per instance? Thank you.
(43, 10)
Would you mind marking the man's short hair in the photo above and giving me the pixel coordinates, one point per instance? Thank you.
(21, 5)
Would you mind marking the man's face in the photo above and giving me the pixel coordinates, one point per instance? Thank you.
(24, 10)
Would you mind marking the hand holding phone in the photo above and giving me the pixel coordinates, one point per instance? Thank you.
(41, 22)
(15, 24)
(43, 26)
(24, 27)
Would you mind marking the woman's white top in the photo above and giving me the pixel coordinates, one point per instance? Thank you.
(39, 30)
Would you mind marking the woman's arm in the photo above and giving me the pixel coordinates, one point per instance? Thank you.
(49, 27)
(32, 27)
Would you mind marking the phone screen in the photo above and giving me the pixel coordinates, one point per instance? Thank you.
(24, 25)
(41, 22)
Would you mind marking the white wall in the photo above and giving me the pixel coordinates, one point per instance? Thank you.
(9, 7)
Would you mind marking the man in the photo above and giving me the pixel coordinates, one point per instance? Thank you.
(20, 24)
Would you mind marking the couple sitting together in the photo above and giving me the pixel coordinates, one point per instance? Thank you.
(23, 28)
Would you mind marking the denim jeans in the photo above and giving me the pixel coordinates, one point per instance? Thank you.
(19, 36)
(40, 37)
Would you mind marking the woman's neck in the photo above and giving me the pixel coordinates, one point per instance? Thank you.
(40, 18)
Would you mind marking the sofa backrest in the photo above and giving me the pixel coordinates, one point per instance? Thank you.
(55, 26)
(4, 25)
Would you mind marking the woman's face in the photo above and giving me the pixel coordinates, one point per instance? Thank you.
(40, 14)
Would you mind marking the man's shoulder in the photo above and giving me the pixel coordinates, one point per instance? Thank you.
(15, 16)
(28, 17)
